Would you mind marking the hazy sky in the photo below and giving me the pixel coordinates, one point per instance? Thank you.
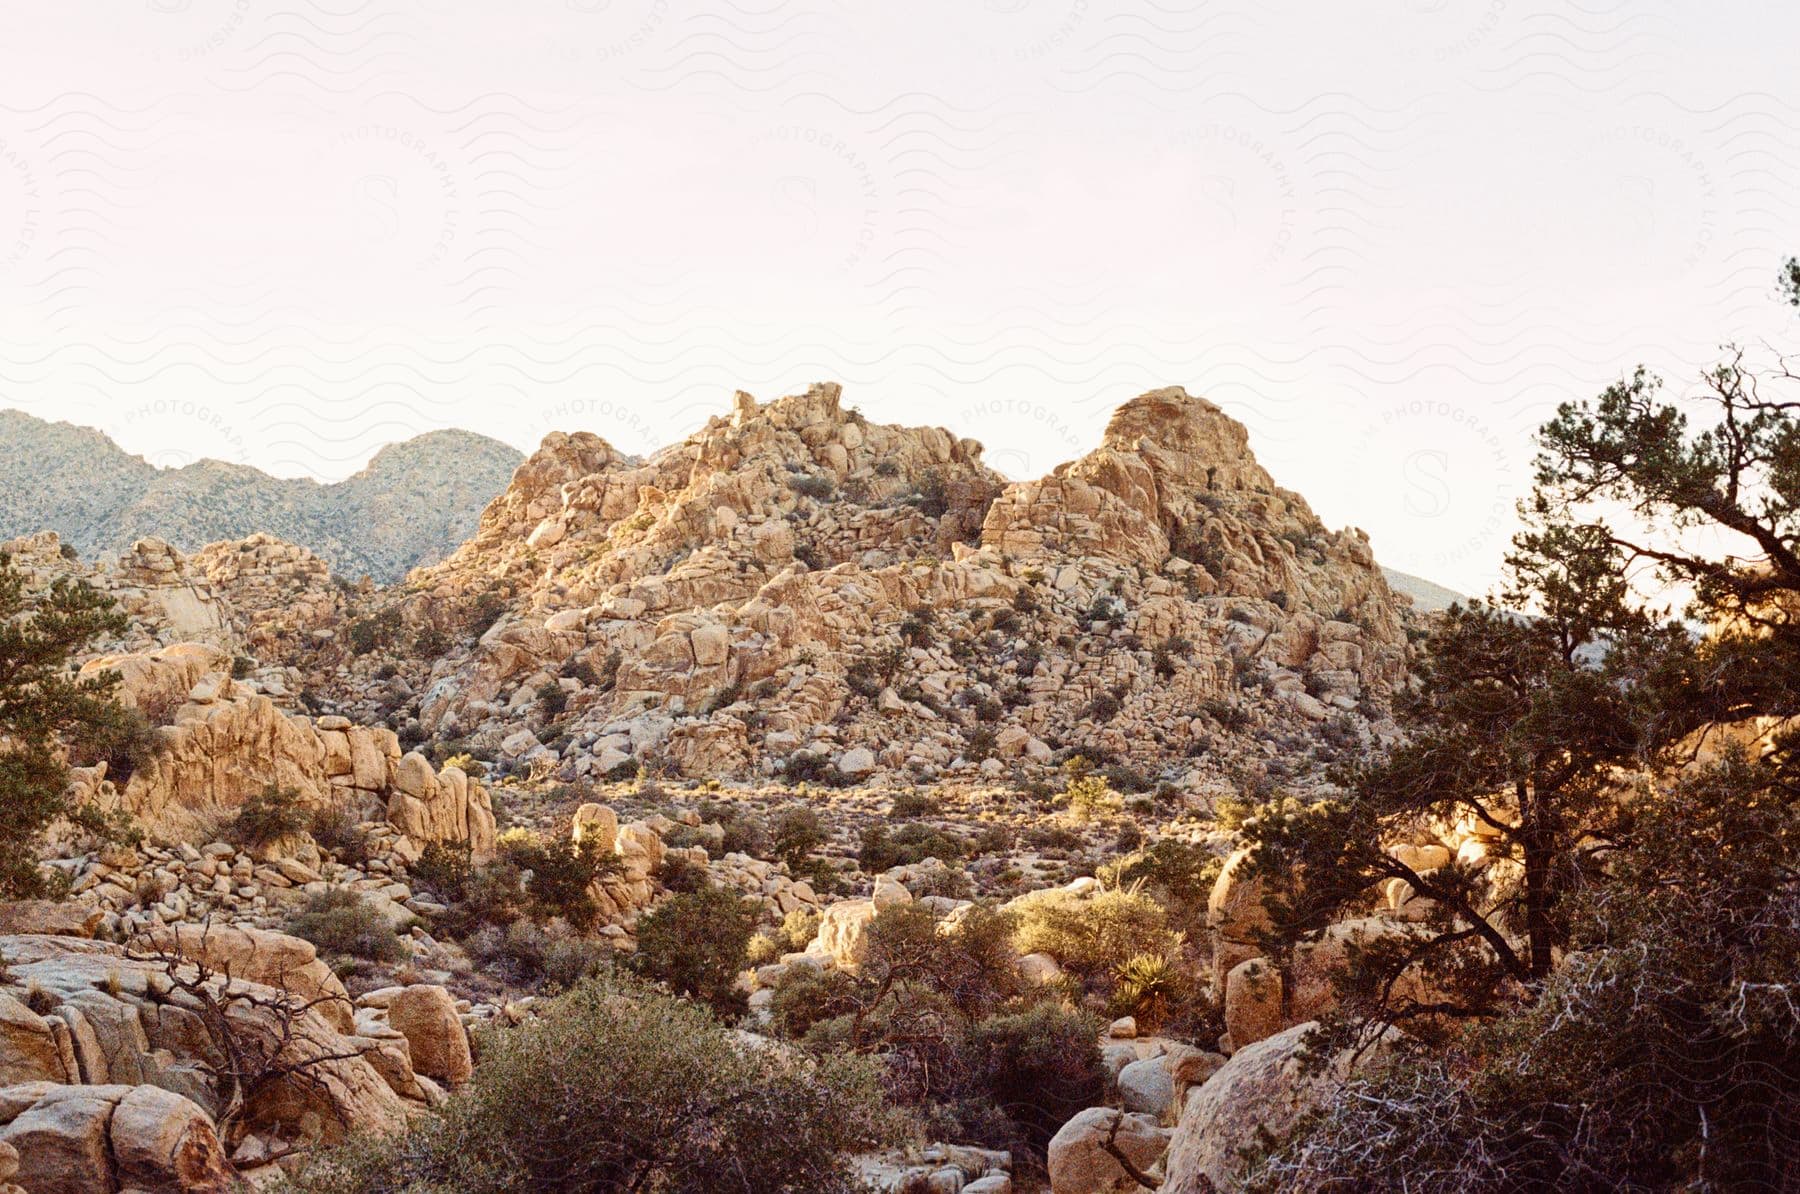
(1389, 236)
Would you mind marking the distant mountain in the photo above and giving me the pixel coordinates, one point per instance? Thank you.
(1427, 597)
(414, 503)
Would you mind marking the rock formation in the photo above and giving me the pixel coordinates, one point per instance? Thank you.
(795, 589)
(223, 744)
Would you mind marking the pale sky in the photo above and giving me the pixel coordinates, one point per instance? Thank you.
(1389, 236)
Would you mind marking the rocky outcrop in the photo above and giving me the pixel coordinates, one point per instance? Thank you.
(796, 588)
(1079, 1162)
(162, 599)
(103, 1138)
(283, 599)
(111, 1060)
(224, 744)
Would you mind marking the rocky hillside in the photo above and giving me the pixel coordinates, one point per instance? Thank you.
(415, 502)
(796, 591)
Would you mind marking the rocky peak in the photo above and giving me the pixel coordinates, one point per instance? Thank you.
(795, 586)
(1187, 439)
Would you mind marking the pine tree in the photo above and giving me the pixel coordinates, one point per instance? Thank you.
(41, 701)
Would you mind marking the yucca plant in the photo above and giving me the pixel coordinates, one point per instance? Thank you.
(1144, 986)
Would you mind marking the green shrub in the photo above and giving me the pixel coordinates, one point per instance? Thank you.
(483, 612)
(678, 874)
(744, 831)
(1180, 875)
(912, 805)
(123, 738)
(616, 1087)
(813, 485)
(807, 996)
(376, 632)
(1040, 1066)
(796, 832)
(551, 698)
(1092, 935)
(695, 944)
(560, 873)
(883, 848)
(1086, 794)
(444, 870)
(551, 955)
(334, 829)
(339, 922)
(266, 816)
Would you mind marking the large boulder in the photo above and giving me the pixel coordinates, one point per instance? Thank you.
(100, 1139)
(104, 1016)
(843, 935)
(1145, 1085)
(263, 957)
(1252, 1002)
(1263, 1089)
(426, 1016)
(1079, 1162)
(54, 918)
(1235, 916)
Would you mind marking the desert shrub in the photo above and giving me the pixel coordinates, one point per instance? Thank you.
(444, 870)
(121, 737)
(483, 612)
(930, 495)
(883, 848)
(798, 928)
(242, 666)
(1092, 935)
(796, 832)
(481, 896)
(431, 642)
(334, 829)
(807, 996)
(695, 944)
(375, 632)
(616, 1087)
(266, 816)
(677, 873)
(551, 698)
(549, 955)
(910, 805)
(1040, 1066)
(1180, 875)
(813, 485)
(1149, 987)
(560, 872)
(1053, 837)
(339, 922)
(744, 833)
(468, 764)
(916, 628)
(1085, 794)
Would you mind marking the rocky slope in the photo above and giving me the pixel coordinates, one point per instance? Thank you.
(415, 502)
(794, 590)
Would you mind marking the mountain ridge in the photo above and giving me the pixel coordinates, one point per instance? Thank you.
(411, 504)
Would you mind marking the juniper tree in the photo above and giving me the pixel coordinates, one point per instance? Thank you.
(42, 700)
